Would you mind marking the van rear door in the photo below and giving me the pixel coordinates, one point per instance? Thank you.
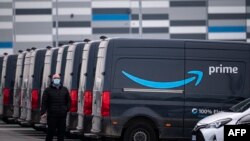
(18, 83)
(98, 86)
(9, 84)
(3, 83)
(61, 61)
(148, 81)
(24, 88)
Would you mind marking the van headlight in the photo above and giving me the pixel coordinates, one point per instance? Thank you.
(219, 123)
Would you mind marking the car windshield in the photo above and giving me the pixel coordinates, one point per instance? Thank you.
(242, 106)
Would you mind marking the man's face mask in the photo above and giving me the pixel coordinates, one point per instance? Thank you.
(56, 81)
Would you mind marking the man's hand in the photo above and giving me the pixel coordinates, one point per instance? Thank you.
(44, 115)
(43, 119)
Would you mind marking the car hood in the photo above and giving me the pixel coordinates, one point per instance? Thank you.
(218, 116)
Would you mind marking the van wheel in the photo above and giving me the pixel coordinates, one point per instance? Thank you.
(140, 131)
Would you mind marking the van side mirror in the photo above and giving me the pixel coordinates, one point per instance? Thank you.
(33, 75)
(86, 74)
(50, 76)
(71, 73)
(103, 73)
(21, 76)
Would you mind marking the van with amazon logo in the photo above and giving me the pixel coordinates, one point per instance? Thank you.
(150, 89)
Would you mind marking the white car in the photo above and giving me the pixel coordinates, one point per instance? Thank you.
(211, 128)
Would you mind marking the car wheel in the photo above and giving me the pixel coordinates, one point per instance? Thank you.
(140, 131)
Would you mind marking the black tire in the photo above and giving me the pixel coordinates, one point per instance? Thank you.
(140, 131)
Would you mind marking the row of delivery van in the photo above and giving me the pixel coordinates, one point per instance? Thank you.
(132, 89)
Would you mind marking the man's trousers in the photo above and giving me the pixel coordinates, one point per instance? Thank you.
(56, 124)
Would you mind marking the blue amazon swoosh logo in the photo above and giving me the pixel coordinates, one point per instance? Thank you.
(167, 85)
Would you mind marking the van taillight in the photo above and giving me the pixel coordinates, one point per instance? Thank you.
(87, 103)
(73, 97)
(6, 96)
(34, 99)
(105, 104)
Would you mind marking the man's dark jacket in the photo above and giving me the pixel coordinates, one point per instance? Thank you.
(55, 101)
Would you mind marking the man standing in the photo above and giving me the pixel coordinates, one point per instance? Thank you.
(56, 103)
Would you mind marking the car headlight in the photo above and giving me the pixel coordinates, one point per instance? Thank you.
(219, 123)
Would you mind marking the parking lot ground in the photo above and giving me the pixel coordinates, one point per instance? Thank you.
(14, 132)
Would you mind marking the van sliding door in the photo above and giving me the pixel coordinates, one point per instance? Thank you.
(150, 82)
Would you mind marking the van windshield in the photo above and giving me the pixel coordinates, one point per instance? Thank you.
(242, 106)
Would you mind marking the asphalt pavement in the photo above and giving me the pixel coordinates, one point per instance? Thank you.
(14, 132)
